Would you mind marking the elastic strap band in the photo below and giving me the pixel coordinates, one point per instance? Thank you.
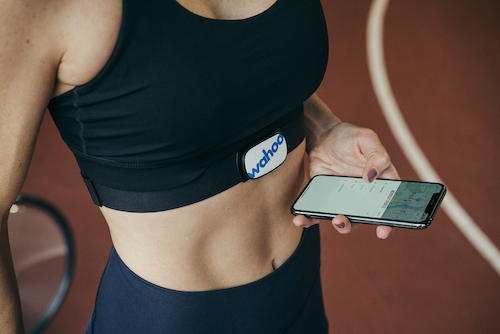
(214, 180)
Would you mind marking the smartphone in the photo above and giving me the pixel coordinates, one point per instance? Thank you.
(396, 203)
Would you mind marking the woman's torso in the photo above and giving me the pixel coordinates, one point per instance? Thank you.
(229, 239)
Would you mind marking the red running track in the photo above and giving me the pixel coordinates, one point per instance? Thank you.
(442, 59)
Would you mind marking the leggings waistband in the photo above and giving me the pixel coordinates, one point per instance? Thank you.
(289, 300)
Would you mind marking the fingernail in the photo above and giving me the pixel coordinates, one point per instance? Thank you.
(340, 225)
(372, 174)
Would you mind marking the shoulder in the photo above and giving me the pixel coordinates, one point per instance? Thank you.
(31, 30)
(75, 36)
(29, 50)
(54, 14)
(31, 17)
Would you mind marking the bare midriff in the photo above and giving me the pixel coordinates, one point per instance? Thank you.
(230, 239)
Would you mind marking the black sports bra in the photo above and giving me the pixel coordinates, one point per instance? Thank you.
(182, 93)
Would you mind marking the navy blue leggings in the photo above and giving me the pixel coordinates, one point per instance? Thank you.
(289, 300)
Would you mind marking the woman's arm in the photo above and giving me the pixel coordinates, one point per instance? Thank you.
(319, 121)
(28, 66)
(339, 148)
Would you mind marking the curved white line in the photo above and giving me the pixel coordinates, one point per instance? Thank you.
(42, 256)
(408, 144)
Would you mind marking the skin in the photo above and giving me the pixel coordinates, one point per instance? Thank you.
(47, 47)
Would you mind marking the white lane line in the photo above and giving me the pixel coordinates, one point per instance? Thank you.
(380, 81)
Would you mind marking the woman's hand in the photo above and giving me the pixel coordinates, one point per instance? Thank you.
(348, 150)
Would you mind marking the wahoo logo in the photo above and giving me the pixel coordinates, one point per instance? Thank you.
(265, 156)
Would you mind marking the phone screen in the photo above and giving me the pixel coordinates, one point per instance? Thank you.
(384, 199)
